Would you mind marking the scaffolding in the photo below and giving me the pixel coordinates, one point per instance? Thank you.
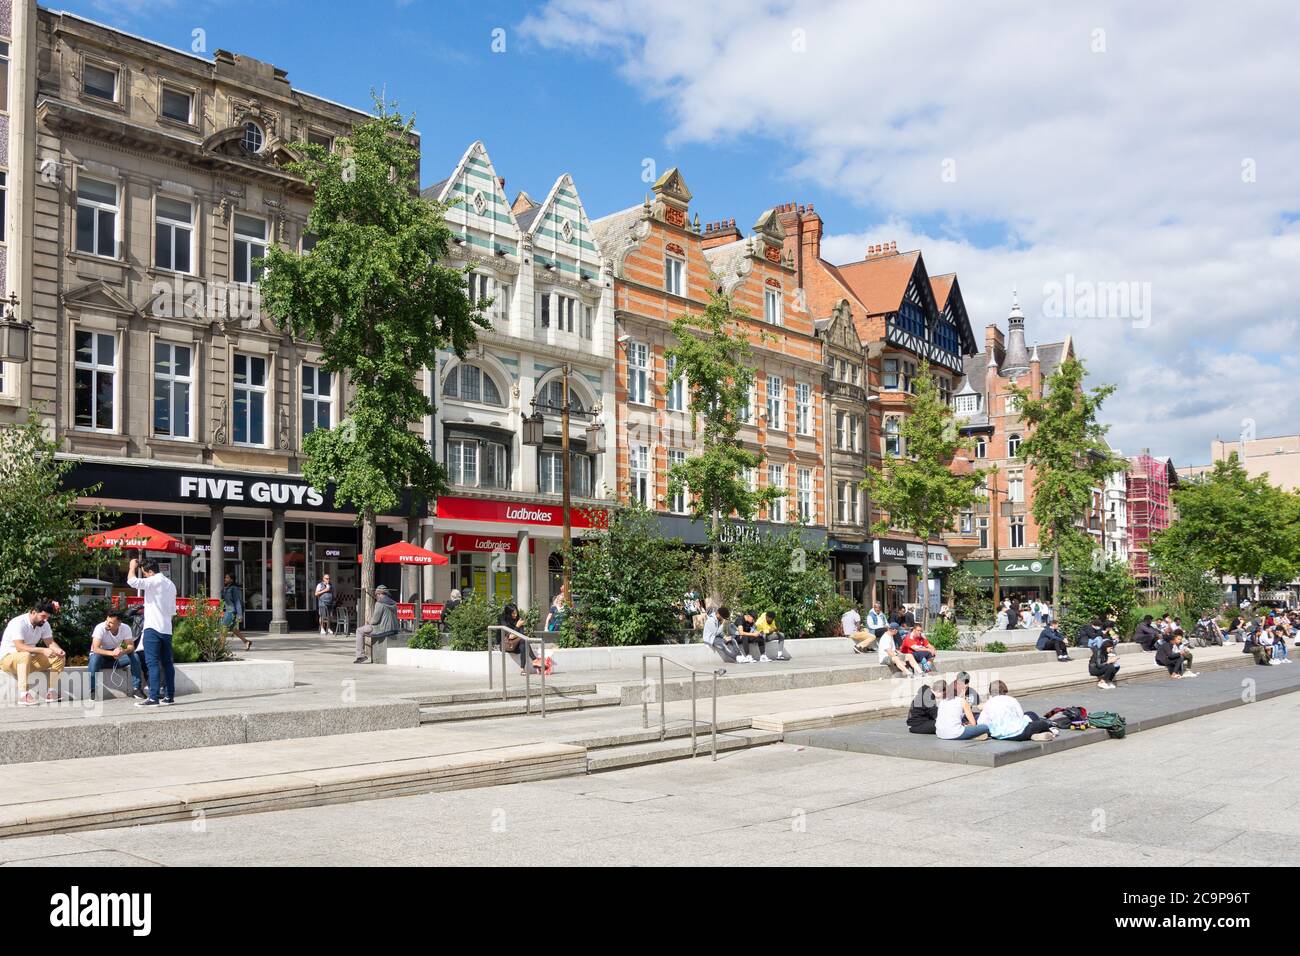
(1149, 510)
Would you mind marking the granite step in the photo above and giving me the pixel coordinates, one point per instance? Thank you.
(516, 707)
(678, 748)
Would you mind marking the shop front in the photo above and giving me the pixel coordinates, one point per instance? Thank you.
(275, 534)
(851, 561)
(1025, 578)
(511, 550)
(696, 533)
(899, 566)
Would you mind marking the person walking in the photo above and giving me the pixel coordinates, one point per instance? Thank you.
(21, 651)
(109, 643)
(381, 626)
(232, 605)
(159, 609)
(324, 603)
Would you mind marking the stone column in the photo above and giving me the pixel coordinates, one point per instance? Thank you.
(411, 573)
(430, 543)
(524, 572)
(217, 551)
(279, 623)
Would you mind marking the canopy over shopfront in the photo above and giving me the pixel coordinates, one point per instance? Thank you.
(403, 552)
(137, 537)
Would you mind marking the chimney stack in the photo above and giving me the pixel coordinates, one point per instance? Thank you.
(882, 249)
(720, 233)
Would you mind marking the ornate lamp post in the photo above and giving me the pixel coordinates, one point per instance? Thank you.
(15, 334)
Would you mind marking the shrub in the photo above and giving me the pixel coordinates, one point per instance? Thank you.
(202, 628)
(184, 652)
(793, 580)
(469, 623)
(944, 635)
(995, 647)
(427, 638)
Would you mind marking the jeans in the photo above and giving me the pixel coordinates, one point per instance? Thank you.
(1279, 650)
(756, 638)
(162, 668)
(968, 732)
(1104, 672)
(98, 662)
(727, 649)
(779, 638)
(1036, 725)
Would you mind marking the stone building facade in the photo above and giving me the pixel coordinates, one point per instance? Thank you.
(157, 179)
(538, 271)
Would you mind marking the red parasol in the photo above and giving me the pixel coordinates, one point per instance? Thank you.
(137, 537)
(404, 553)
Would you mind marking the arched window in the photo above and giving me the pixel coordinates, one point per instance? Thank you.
(550, 397)
(1013, 446)
(470, 383)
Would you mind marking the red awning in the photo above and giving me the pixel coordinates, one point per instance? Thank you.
(139, 537)
(405, 553)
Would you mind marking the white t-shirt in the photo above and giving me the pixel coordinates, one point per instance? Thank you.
(885, 647)
(159, 601)
(1003, 716)
(947, 725)
(850, 622)
(107, 639)
(21, 629)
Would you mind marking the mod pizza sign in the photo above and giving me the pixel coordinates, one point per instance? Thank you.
(510, 512)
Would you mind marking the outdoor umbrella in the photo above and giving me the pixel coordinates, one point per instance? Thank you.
(137, 537)
(405, 553)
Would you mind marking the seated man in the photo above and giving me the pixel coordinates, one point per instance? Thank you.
(111, 647)
(876, 620)
(1051, 639)
(1173, 655)
(1147, 634)
(925, 708)
(1279, 644)
(921, 650)
(766, 626)
(851, 624)
(716, 627)
(746, 631)
(887, 649)
(961, 683)
(1005, 719)
(21, 651)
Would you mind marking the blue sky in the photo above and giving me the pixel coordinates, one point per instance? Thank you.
(1022, 145)
(541, 111)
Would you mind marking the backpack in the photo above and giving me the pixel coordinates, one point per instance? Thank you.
(1076, 718)
(1112, 723)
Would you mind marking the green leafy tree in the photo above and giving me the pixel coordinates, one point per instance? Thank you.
(784, 575)
(1096, 586)
(41, 529)
(1186, 581)
(373, 293)
(1067, 451)
(1234, 525)
(918, 491)
(628, 583)
(714, 357)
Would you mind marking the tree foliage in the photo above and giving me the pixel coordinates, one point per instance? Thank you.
(374, 294)
(715, 359)
(1066, 448)
(918, 491)
(1233, 525)
(1096, 586)
(628, 583)
(41, 529)
(784, 575)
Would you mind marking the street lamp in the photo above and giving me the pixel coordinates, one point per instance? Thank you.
(535, 435)
(15, 334)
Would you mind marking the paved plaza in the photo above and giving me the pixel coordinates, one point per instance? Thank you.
(1173, 796)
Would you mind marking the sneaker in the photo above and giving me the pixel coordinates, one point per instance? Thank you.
(138, 694)
(51, 697)
(359, 660)
(1274, 663)
(1191, 674)
(166, 702)
(28, 700)
(147, 702)
(764, 659)
(1045, 735)
(1063, 657)
(747, 659)
(1103, 685)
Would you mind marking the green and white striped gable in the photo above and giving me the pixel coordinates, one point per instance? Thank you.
(562, 235)
(479, 210)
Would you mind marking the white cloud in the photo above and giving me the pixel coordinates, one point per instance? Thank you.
(1167, 159)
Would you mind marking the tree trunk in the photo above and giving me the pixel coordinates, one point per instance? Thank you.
(366, 604)
(1056, 584)
(715, 559)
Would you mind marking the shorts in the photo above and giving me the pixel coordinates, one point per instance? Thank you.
(228, 619)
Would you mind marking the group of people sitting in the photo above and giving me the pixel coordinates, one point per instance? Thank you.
(1017, 612)
(735, 640)
(899, 643)
(953, 711)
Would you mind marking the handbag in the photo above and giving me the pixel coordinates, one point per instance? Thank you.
(511, 643)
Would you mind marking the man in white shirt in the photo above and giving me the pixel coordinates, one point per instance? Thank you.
(851, 625)
(21, 651)
(887, 651)
(876, 620)
(159, 609)
(110, 642)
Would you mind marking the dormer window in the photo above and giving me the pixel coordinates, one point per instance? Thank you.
(253, 138)
(967, 404)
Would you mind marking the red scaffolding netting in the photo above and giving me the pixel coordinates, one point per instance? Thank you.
(1148, 508)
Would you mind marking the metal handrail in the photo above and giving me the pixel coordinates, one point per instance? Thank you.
(528, 671)
(663, 720)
